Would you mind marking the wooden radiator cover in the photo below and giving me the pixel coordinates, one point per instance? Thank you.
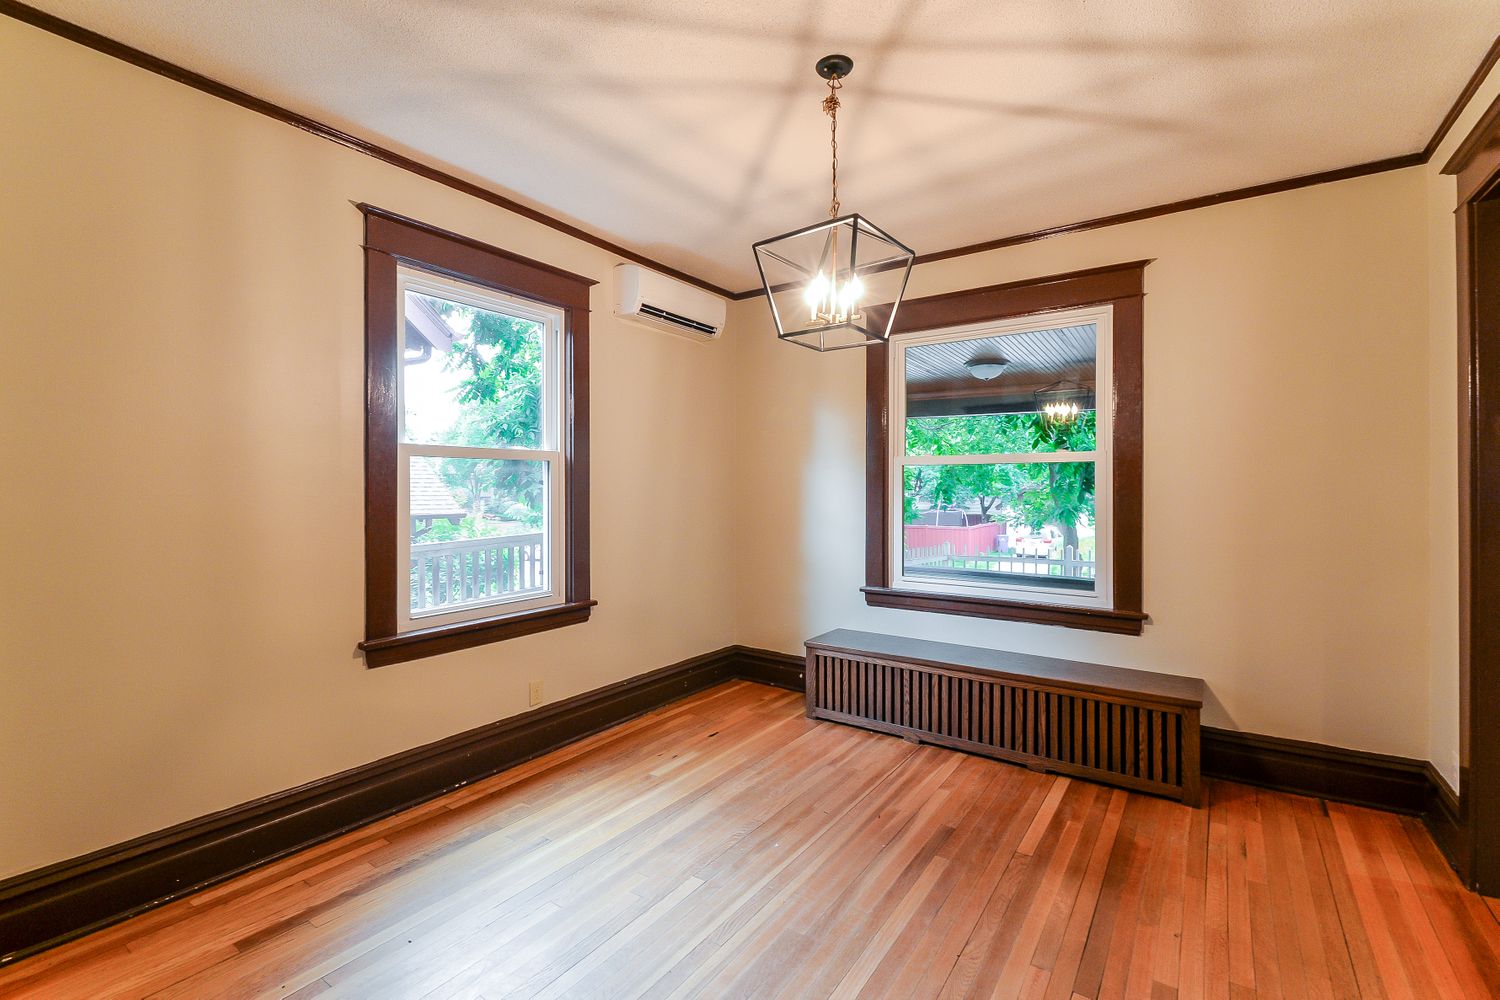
(1131, 728)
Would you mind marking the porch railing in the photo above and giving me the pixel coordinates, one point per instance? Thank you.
(476, 569)
(929, 555)
(1064, 561)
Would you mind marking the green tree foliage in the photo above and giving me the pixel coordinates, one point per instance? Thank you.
(1033, 495)
(500, 364)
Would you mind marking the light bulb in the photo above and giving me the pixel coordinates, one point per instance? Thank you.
(816, 291)
(830, 300)
(1061, 412)
(850, 293)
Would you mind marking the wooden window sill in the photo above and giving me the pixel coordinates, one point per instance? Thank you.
(414, 645)
(1094, 619)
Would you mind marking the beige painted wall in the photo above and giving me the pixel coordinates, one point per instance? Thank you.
(181, 428)
(1286, 352)
(1442, 472)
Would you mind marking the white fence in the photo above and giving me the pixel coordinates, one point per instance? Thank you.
(476, 569)
(1065, 561)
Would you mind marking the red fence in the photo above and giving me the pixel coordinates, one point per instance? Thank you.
(975, 540)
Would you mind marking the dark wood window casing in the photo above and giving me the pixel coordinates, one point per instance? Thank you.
(1121, 286)
(392, 241)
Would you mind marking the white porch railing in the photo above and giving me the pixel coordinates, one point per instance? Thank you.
(476, 569)
(1064, 562)
(929, 555)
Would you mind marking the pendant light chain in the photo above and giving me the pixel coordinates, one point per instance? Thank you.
(831, 109)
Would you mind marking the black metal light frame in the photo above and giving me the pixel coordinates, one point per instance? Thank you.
(854, 221)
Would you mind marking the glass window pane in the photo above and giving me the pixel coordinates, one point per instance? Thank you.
(1024, 523)
(1000, 434)
(1019, 393)
(470, 376)
(478, 531)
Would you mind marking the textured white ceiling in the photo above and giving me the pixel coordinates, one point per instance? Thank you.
(689, 129)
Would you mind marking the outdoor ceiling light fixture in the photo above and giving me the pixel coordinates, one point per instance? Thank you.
(834, 284)
(986, 368)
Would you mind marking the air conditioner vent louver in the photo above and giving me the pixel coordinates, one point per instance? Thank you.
(683, 321)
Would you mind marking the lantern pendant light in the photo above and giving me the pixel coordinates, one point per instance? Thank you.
(1062, 402)
(837, 283)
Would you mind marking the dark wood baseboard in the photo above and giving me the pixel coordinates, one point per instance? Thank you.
(1380, 781)
(783, 670)
(1445, 821)
(46, 907)
(51, 905)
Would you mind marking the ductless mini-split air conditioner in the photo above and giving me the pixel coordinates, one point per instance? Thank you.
(651, 299)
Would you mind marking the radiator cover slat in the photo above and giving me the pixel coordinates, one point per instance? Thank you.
(1113, 736)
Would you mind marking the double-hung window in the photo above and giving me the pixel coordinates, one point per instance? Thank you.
(476, 443)
(1001, 459)
(1004, 460)
(480, 478)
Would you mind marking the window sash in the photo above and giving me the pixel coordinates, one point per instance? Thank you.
(898, 461)
(409, 279)
(555, 562)
(550, 452)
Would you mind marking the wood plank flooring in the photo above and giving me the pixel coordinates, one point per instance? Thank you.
(726, 846)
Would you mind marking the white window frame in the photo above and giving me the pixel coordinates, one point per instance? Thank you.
(1102, 596)
(550, 451)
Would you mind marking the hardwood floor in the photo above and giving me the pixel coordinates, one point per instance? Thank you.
(726, 846)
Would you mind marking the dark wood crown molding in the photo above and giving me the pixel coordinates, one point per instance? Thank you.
(1491, 57)
(119, 50)
(1185, 205)
(108, 46)
(144, 60)
(1464, 96)
(1170, 208)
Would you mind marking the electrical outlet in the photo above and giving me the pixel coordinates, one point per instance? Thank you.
(536, 692)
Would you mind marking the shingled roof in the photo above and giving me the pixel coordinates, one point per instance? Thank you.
(429, 497)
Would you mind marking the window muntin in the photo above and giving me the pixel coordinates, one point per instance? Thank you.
(480, 472)
(989, 496)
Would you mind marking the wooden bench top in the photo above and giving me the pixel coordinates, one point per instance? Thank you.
(1095, 677)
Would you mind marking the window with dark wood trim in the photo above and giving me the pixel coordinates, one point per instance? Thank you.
(518, 561)
(1118, 294)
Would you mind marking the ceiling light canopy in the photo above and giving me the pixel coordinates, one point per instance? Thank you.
(834, 284)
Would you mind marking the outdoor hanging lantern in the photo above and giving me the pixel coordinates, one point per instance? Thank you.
(834, 284)
(1062, 401)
